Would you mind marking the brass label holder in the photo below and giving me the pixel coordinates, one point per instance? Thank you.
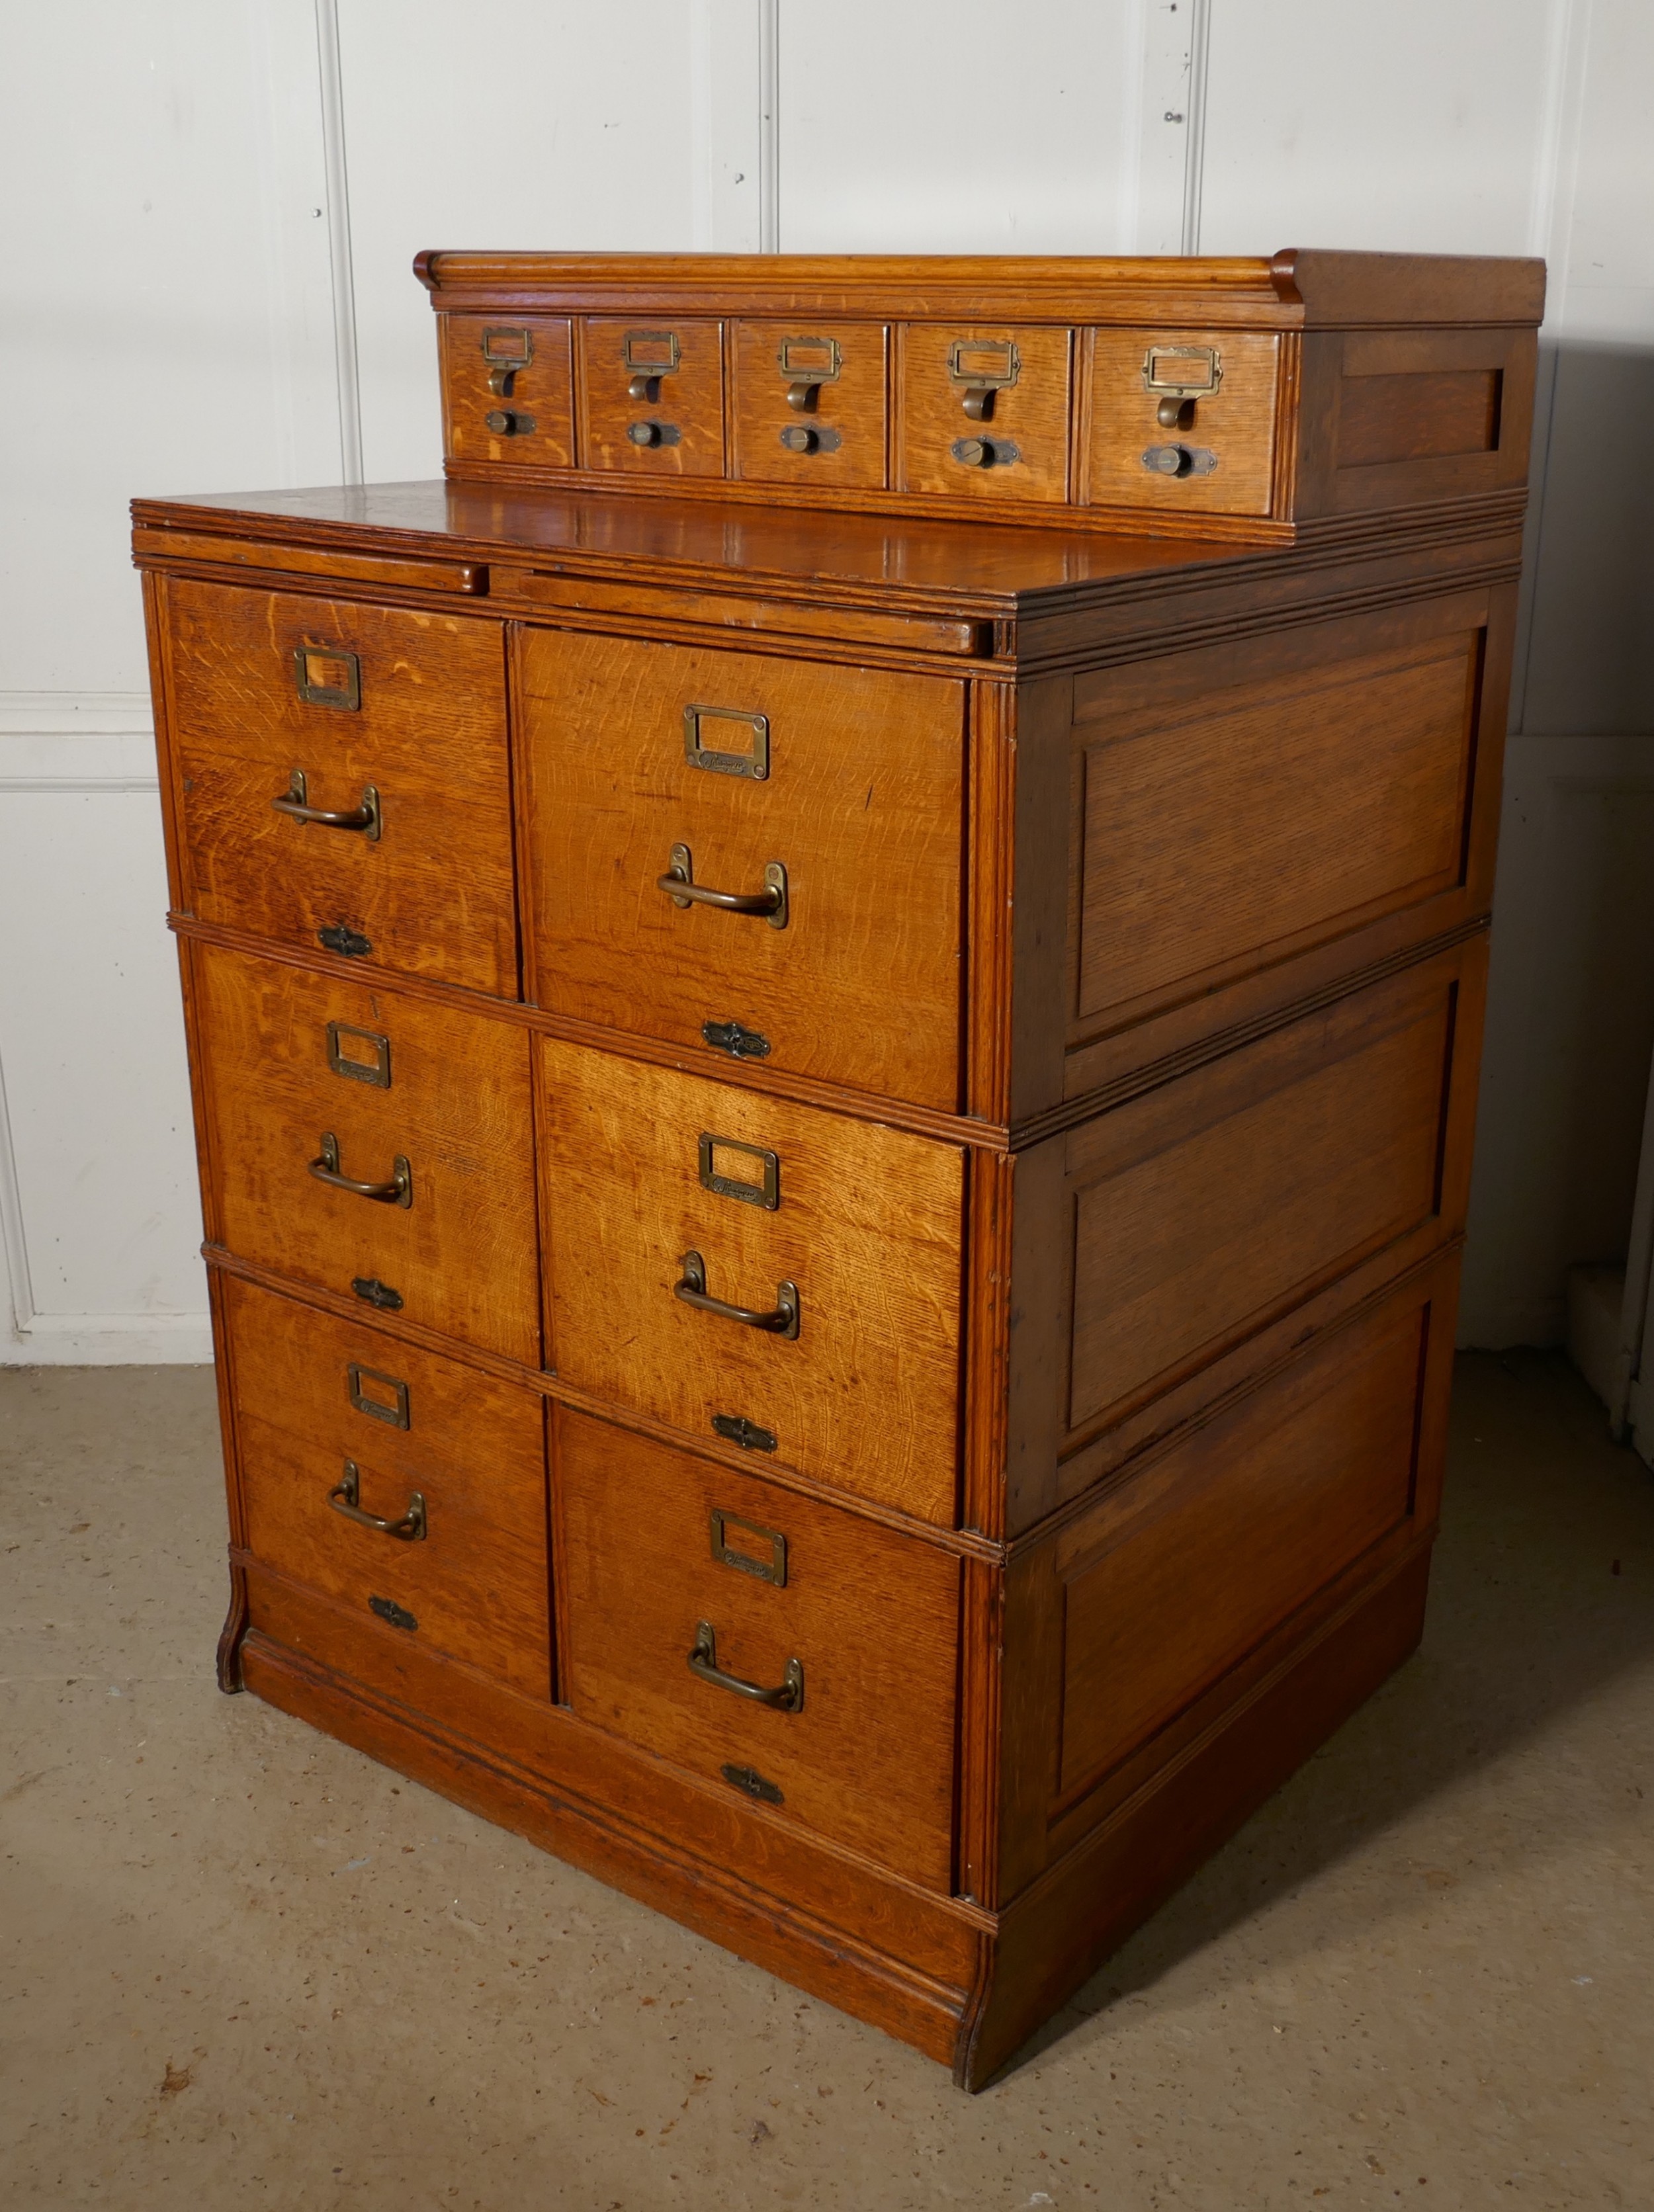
(376, 1071)
(649, 356)
(1178, 376)
(772, 1569)
(754, 762)
(327, 678)
(805, 365)
(505, 352)
(984, 367)
(393, 1412)
(766, 1192)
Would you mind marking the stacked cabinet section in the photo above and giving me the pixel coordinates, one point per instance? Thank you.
(833, 1266)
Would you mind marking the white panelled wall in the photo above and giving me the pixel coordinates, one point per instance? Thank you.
(212, 206)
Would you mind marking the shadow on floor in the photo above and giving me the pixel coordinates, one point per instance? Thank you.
(1540, 1600)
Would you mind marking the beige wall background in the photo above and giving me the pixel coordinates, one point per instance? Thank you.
(210, 209)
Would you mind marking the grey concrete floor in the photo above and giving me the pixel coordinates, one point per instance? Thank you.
(244, 1967)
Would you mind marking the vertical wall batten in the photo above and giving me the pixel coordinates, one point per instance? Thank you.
(329, 85)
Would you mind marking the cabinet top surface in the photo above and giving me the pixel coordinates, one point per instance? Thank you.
(1296, 289)
(965, 563)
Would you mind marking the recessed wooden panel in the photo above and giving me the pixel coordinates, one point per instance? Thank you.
(860, 805)
(937, 364)
(476, 1585)
(536, 401)
(838, 436)
(870, 1616)
(1418, 417)
(462, 1257)
(433, 894)
(1232, 426)
(1178, 1574)
(866, 1221)
(684, 418)
(1268, 815)
(1205, 1207)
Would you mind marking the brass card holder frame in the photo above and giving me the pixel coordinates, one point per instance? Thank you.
(394, 1414)
(805, 365)
(507, 351)
(765, 1193)
(649, 356)
(772, 1569)
(376, 1072)
(314, 690)
(970, 366)
(1177, 392)
(755, 763)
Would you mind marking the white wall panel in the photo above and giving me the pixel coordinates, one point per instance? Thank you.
(938, 128)
(1571, 1027)
(1407, 127)
(564, 126)
(168, 326)
(97, 1176)
(211, 207)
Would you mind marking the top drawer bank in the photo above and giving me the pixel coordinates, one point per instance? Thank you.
(344, 780)
(1254, 396)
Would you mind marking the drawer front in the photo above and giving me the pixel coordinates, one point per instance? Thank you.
(858, 809)
(339, 1426)
(507, 388)
(655, 1184)
(651, 395)
(290, 1061)
(983, 414)
(856, 1626)
(406, 706)
(1185, 424)
(807, 403)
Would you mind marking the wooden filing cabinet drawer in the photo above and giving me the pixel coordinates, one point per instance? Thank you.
(754, 775)
(1183, 424)
(652, 395)
(838, 1240)
(290, 1060)
(393, 719)
(984, 413)
(507, 388)
(854, 1627)
(338, 1426)
(807, 403)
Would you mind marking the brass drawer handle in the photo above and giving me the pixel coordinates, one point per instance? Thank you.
(345, 1496)
(782, 1320)
(397, 1192)
(786, 1698)
(680, 885)
(297, 807)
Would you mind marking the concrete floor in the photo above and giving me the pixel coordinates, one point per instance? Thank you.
(243, 1966)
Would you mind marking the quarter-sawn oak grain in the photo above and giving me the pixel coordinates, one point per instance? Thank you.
(1118, 1061)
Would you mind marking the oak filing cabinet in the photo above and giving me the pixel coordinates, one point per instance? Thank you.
(834, 998)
